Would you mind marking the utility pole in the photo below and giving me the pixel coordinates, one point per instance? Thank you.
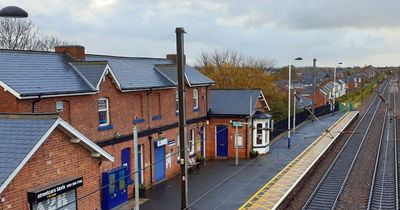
(294, 110)
(182, 118)
(135, 152)
(314, 84)
(289, 96)
(362, 87)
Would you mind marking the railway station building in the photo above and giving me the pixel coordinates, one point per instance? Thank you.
(104, 97)
(238, 105)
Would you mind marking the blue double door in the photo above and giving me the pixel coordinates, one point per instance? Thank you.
(222, 140)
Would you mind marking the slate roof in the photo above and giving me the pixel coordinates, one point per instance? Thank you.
(192, 75)
(135, 73)
(40, 73)
(303, 101)
(18, 137)
(34, 73)
(92, 71)
(22, 134)
(233, 102)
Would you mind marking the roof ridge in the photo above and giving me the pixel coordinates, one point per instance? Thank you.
(29, 51)
(34, 116)
(90, 62)
(127, 57)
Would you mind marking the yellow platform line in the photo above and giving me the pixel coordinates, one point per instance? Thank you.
(275, 191)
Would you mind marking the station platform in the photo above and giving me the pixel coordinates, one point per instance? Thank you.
(272, 194)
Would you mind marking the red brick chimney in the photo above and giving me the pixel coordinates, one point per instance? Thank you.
(77, 52)
(173, 57)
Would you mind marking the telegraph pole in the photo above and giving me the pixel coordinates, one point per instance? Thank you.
(182, 118)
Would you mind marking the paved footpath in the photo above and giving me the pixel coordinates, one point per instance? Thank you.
(252, 175)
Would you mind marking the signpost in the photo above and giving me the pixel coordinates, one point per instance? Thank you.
(237, 124)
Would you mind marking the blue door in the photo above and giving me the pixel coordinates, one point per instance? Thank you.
(159, 167)
(126, 161)
(222, 140)
(140, 152)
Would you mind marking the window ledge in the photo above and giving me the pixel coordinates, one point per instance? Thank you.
(158, 117)
(105, 127)
(138, 121)
(196, 109)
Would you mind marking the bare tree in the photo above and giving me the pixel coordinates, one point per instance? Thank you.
(22, 34)
(219, 58)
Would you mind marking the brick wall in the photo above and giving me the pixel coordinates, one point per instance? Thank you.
(8, 102)
(82, 111)
(171, 171)
(212, 141)
(56, 160)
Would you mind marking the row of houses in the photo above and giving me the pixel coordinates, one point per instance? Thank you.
(67, 118)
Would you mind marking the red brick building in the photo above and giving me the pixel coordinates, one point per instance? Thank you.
(104, 97)
(246, 106)
(45, 164)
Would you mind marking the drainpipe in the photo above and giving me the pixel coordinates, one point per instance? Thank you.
(149, 137)
(151, 158)
(35, 101)
(247, 142)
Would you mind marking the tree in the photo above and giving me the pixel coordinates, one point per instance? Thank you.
(22, 34)
(233, 70)
(283, 74)
(225, 57)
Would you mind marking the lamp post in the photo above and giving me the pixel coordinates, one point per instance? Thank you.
(13, 12)
(289, 96)
(334, 86)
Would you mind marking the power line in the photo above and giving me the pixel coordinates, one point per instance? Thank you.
(126, 176)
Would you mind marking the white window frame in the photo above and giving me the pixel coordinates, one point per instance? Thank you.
(264, 135)
(102, 110)
(195, 99)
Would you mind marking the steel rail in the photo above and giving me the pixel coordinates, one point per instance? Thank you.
(327, 192)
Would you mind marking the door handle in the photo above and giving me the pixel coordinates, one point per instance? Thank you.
(221, 144)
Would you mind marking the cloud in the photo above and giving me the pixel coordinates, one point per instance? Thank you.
(355, 32)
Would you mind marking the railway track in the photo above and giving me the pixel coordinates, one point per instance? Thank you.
(329, 188)
(384, 188)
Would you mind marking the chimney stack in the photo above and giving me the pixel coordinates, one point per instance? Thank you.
(173, 57)
(77, 52)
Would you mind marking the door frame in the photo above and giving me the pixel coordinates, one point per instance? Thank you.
(161, 162)
(216, 141)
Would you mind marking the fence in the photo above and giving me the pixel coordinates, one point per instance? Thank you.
(282, 126)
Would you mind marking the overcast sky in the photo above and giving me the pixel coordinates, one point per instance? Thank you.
(355, 32)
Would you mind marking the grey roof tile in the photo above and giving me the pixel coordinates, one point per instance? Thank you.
(233, 102)
(194, 77)
(92, 71)
(17, 142)
(135, 73)
(34, 73)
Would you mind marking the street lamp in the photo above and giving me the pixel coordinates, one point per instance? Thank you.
(13, 12)
(289, 87)
(334, 86)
